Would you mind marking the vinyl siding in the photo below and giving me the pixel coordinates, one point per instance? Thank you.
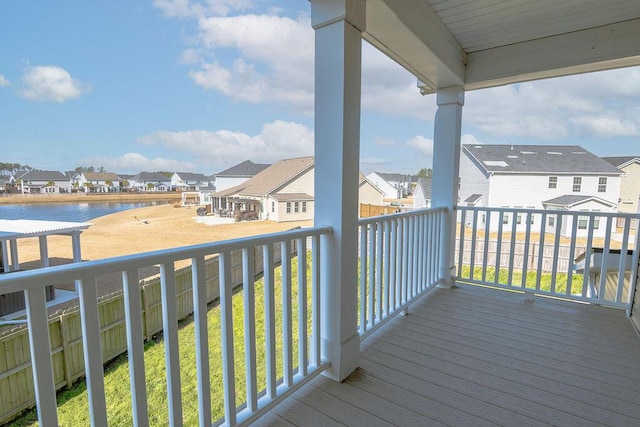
(369, 195)
(630, 189)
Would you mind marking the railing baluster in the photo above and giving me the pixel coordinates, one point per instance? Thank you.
(623, 259)
(605, 260)
(635, 260)
(499, 246)
(512, 248)
(525, 256)
(363, 277)
(463, 217)
(541, 251)
(287, 318)
(572, 254)
(135, 347)
(406, 285)
(92, 350)
(379, 272)
(393, 262)
(41, 365)
(399, 262)
(387, 265)
(485, 248)
(556, 251)
(269, 320)
(371, 290)
(315, 300)
(226, 322)
(170, 334)
(248, 296)
(587, 286)
(302, 306)
(198, 278)
(474, 235)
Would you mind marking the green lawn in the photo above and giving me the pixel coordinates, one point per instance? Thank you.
(73, 405)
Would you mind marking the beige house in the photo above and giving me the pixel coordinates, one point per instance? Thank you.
(629, 182)
(284, 192)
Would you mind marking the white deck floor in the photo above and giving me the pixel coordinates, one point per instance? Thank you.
(476, 356)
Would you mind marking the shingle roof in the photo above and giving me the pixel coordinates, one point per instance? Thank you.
(559, 159)
(244, 169)
(188, 176)
(574, 199)
(150, 177)
(284, 197)
(425, 184)
(271, 178)
(620, 161)
(362, 178)
(101, 176)
(43, 176)
(397, 177)
(473, 198)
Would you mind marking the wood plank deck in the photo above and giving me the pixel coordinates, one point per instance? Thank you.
(477, 356)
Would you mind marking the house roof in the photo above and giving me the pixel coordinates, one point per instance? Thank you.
(244, 169)
(622, 161)
(286, 197)
(271, 178)
(425, 185)
(362, 179)
(188, 176)
(538, 159)
(101, 176)
(11, 229)
(43, 176)
(150, 177)
(397, 177)
(570, 200)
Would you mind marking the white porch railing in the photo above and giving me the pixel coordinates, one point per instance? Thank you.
(556, 253)
(399, 258)
(297, 368)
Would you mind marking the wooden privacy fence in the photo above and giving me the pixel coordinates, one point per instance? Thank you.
(367, 211)
(564, 264)
(65, 331)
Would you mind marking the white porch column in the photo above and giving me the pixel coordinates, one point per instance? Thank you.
(446, 159)
(338, 26)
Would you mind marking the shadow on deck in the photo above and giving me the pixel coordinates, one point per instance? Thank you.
(479, 356)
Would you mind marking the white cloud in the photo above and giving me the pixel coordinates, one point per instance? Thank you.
(421, 144)
(51, 83)
(221, 149)
(136, 162)
(4, 81)
(187, 8)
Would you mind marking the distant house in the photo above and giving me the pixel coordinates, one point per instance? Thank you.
(538, 177)
(150, 181)
(629, 182)
(98, 182)
(394, 185)
(368, 193)
(422, 194)
(45, 182)
(284, 192)
(187, 181)
(238, 174)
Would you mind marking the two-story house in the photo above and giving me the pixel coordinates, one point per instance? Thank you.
(629, 182)
(45, 182)
(558, 177)
(188, 181)
(237, 174)
(150, 181)
(98, 182)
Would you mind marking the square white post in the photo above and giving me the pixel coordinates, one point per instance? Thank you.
(446, 160)
(338, 26)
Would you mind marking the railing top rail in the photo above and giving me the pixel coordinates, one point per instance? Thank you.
(549, 211)
(38, 278)
(416, 212)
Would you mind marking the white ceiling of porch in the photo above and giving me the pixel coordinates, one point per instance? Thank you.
(483, 43)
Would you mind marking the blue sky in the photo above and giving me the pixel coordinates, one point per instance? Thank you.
(200, 86)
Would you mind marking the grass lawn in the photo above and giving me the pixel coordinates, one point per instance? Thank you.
(73, 409)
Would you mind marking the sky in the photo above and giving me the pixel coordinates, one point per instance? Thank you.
(199, 86)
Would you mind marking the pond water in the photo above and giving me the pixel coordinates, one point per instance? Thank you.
(75, 212)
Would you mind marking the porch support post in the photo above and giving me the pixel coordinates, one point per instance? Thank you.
(338, 26)
(446, 159)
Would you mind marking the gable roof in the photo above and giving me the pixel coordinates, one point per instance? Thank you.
(362, 179)
(622, 161)
(101, 176)
(397, 177)
(150, 177)
(538, 159)
(271, 178)
(473, 199)
(571, 200)
(188, 176)
(425, 184)
(43, 176)
(244, 169)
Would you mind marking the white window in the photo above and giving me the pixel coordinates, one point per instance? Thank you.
(519, 216)
(553, 182)
(552, 220)
(296, 207)
(273, 206)
(288, 207)
(505, 216)
(304, 206)
(577, 184)
(602, 184)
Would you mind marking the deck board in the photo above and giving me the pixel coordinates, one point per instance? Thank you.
(479, 356)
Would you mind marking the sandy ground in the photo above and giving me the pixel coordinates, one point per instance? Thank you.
(148, 229)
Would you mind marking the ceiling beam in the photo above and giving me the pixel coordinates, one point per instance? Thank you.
(610, 46)
(411, 33)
